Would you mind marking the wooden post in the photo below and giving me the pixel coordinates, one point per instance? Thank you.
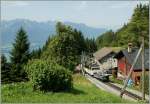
(143, 70)
(130, 71)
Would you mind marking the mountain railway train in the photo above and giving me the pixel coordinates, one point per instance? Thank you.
(98, 74)
(94, 68)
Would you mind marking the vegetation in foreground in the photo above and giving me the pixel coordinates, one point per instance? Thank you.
(83, 91)
(48, 76)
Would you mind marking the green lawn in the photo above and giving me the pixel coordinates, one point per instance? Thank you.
(83, 91)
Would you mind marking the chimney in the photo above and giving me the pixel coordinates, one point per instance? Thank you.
(129, 47)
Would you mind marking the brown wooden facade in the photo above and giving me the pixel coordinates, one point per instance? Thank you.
(124, 68)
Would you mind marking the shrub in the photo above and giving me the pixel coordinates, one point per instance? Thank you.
(46, 76)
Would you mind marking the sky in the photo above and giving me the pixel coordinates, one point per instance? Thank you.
(100, 14)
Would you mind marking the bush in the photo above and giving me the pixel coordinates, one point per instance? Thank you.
(47, 76)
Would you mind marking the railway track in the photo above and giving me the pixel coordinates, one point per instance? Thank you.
(136, 97)
(130, 94)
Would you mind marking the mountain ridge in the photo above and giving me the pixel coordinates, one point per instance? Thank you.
(39, 31)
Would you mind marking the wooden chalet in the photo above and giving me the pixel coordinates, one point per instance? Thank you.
(125, 59)
(105, 57)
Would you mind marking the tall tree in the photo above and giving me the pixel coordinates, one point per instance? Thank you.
(90, 45)
(105, 39)
(5, 70)
(36, 53)
(47, 42)
(130, 32)
(19, 55)
(65, 47)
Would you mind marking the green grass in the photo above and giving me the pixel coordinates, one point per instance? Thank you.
(83, 91)
(115, 80)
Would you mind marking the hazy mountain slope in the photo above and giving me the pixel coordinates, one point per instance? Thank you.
(39, 31)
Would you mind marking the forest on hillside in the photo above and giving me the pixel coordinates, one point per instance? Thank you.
(131, 32)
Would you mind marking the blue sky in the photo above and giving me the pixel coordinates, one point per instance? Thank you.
(107, 14)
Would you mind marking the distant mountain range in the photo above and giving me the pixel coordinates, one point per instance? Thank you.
(39, 31)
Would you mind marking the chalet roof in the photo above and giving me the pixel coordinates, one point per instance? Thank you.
(103, 52)
(131, 56)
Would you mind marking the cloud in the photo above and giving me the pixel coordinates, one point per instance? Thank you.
(14, 3)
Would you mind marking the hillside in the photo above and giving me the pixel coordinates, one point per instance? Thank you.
(130, 32)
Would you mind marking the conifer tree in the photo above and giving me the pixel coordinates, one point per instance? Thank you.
(130, 32)
(90, 45)
(5, 70)
(19, 55)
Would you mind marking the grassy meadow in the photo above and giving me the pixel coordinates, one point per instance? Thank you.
(83, 91)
